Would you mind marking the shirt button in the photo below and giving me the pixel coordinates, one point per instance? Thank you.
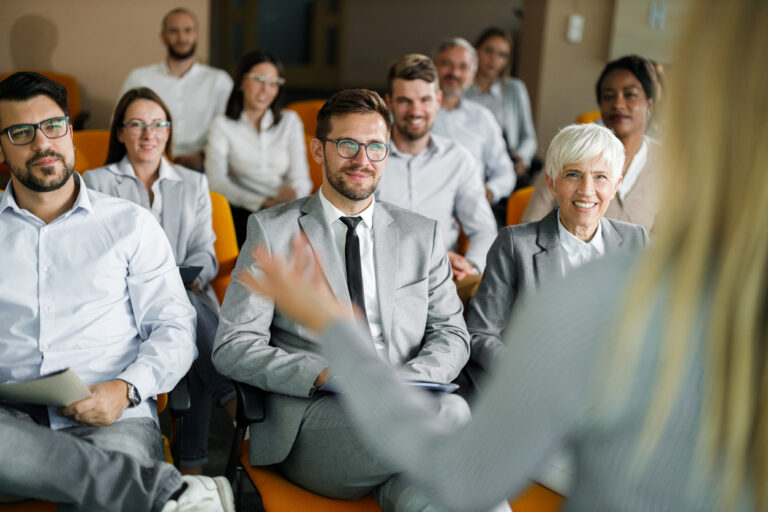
(43, 346)
(46, 308)
(45, 229)
(44, 268)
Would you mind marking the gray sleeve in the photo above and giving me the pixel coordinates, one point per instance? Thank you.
(490, 309)
(200, 251)
(242, 349)
(537, 397)
(445, 348)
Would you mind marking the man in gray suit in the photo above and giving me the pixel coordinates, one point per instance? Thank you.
(391, 264)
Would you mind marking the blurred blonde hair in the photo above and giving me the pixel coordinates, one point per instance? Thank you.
(712, 241)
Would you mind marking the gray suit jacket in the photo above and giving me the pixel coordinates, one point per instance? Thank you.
(421, 314)
(522, 259)
(186, 214)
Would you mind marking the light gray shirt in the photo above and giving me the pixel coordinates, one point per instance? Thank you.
(474, 127)
(443, 183)
(508, 101)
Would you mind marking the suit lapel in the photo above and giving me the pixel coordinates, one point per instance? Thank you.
(547, 263)
(173, 200)
(385, 256)
(320, 237)
(612, 239)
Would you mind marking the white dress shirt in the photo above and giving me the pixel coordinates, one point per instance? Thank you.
(194, 99)
(442, 183)
(96, 290)
(508, 101)
(474, 127)
(636, 166)
(365, 234)
(575, 251)
(248, 166)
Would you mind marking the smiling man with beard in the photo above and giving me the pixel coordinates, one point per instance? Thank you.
(433, 175)
(195, 93)
(388, 262)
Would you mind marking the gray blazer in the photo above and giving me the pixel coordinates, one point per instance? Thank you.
(421, 314)
(186, 213)
(522, 259)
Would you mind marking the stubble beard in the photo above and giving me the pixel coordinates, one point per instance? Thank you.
(26, 177)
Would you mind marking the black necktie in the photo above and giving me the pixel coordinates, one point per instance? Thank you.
(352, 260)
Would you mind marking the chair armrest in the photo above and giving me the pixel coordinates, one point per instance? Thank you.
(179, 401)
(250, 404)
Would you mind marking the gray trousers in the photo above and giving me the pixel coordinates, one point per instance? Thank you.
(329, 458)
(85, 468)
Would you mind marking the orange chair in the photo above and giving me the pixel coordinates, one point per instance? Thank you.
(516, 205)
(70, 83)
(315, 169)
(307, 111)
(90, 149)
(225, 245)
(277, 493)
(590, 116)
(537, 498)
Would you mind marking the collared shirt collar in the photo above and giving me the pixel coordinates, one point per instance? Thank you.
(333, 214)
(167, 70)
(436, 144)
(82, 202)
(267, 120)
(574, 245)
(166, 172)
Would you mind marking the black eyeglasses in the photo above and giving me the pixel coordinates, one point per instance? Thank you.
(23, 134)
(349, 148)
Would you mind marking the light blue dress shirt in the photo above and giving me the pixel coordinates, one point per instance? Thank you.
(474, 127)
(96, 290)
(442, 183)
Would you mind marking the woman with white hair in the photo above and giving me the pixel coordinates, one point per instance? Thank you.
(583, 170)
(653, 369)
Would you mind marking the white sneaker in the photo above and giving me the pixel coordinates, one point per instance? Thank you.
(203, 494)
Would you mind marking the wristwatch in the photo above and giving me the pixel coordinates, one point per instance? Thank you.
(133, 395)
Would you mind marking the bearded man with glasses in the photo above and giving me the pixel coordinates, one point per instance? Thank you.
(88, 282)
(390, 264)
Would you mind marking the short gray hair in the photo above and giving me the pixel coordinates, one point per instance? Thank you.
(451, 42)
(578, 143)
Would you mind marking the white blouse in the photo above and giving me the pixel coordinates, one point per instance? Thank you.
(248, 166)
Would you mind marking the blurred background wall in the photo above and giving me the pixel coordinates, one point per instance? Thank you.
(331, 44)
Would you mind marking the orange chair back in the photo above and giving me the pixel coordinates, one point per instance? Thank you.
(90, 149)
(280, 495)
(315, 169)
(69, 82)
(307, 111)
(590, 116)
(537, 498)
(517, 203)
(225, 245)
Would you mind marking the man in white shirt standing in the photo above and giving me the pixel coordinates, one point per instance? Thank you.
(88, 282)
(194, 92)
(470, 123)
(433, 175)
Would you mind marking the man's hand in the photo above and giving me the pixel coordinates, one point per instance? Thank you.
(194, 287)
(489, 195)
(191, 161)
(460, 265)
(518, 163)
(284, 195)
(107, 402)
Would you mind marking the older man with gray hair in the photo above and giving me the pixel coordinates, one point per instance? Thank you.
(469, 123)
